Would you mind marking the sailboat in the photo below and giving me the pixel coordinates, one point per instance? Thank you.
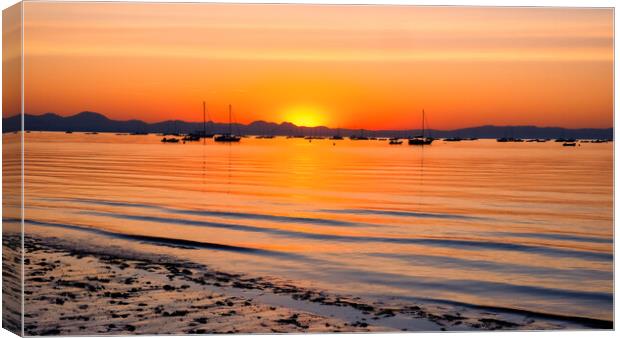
(198, 134)
(421, 140)
(228, 137)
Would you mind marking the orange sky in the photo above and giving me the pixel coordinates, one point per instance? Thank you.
(373, 67)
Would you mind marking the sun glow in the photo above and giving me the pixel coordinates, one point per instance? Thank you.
(379, 66)
(305, 116)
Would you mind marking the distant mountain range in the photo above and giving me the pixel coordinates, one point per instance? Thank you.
(95, 122)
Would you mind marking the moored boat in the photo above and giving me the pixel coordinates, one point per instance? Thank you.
(170, 140)
(421, 140)
(228, 137)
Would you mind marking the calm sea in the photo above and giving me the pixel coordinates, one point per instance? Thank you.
(516, 225)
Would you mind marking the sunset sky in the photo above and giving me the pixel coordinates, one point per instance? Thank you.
(373, 67)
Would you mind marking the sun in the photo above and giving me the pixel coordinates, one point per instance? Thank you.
(305, 116)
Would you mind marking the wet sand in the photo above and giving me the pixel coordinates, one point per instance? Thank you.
(95, 291)
(11, 283)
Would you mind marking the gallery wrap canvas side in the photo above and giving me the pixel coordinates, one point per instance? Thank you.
(12, 169)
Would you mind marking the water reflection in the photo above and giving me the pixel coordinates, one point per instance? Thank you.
(524, 225)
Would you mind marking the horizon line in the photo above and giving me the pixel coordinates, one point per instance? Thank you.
(301, 126)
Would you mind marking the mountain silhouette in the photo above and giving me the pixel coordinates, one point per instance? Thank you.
(95, 122)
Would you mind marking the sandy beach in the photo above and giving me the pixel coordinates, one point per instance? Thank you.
(73, 291)
(95, 293)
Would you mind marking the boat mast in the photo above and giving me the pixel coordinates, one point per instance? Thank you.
(204, 119)
(422, 123)
(229, 119)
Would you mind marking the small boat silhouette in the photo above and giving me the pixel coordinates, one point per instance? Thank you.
(420, 141)
(337, 136)
(227, 138)
(509, 139)
(170, 140)
(191, 138)
(359, 137)
(396, 141)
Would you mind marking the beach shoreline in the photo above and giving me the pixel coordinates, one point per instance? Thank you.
(78, 291)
